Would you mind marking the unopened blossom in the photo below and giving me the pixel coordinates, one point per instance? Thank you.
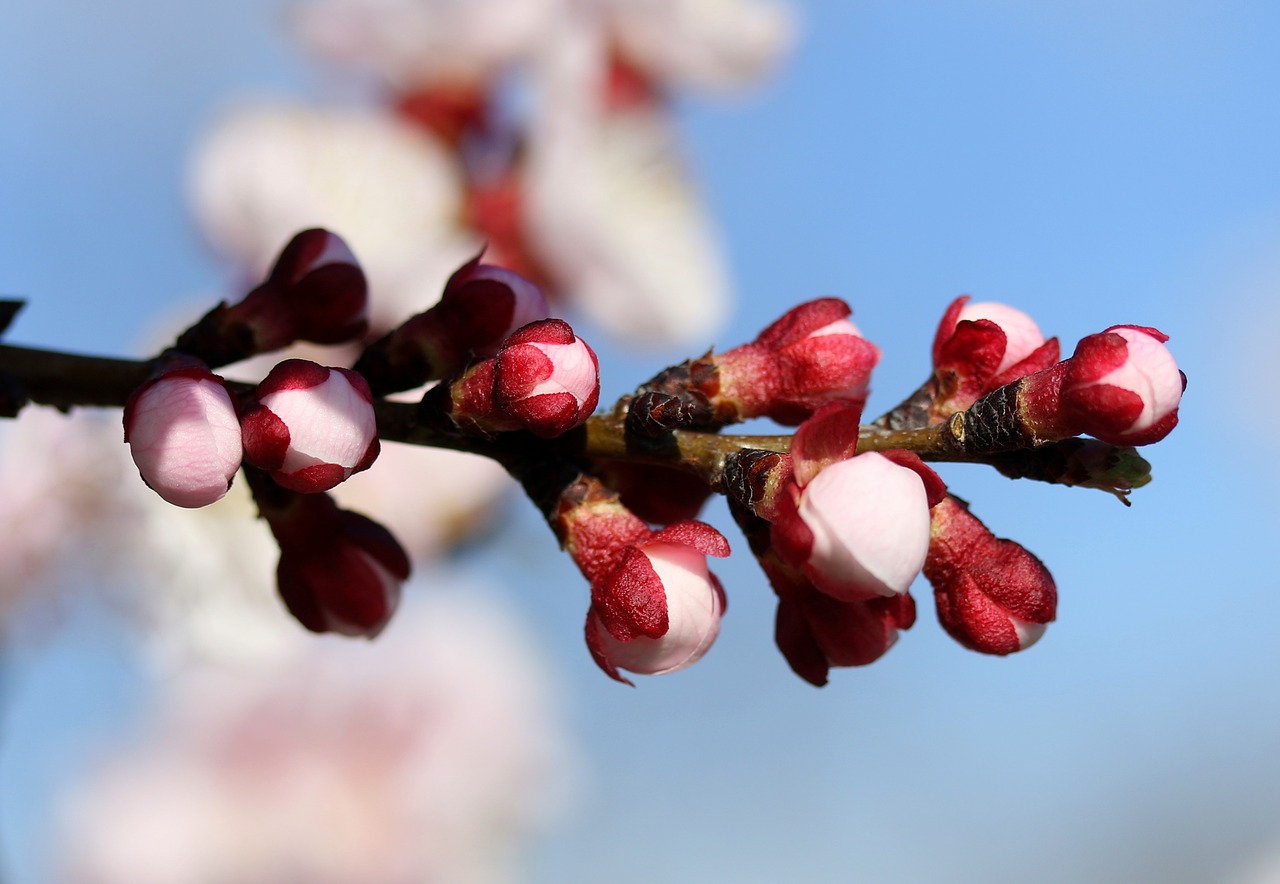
(992, 595)
(856, 525)
(316, 292)
(312, 426)
(183, 433)
(547, 378)
(339, 571)
(1124, 385)
(481, 307)
(544, 380)
(977, 348)
(811, 356)
(1022, 336)
(655, 608)
(816, 631)
(658, 609)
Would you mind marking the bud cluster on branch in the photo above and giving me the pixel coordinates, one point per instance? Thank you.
(842, 516)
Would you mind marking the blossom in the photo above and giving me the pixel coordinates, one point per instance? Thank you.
(183, 433)
(992, 595)
(547, 378)
(312, 426)
(856, 525)
(1124, 385)
(339, 571)
(810, 356)
(980, 346)
(658, 609)
(816, 631)
(436, 753)
(605, 190)
(481, 307)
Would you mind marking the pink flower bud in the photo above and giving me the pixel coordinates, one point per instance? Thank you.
(546, 379)
(658, 610)
(1124, 386)
(979, 347)
(1022, 335)
(320, 279)
(992, 595)
(339, 571)
(312, 427)
(481, 307)
(486, 304)
(813, 355)
(858, 529)
(184, 435)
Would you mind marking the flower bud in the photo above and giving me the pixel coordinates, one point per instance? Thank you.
(320, 279)
(859, 529)
(992, 595)
(979, 347)
(339, 571)
(1022, 336)
(658, 609)
(546, 378)
(481, 307)
(1124, 386)
(811, 356)
(312, 426)
(816, 632)
(183, 433)
(315, 292)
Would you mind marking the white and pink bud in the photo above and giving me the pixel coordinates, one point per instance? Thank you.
(812, 356)
(482, 306)
(184, 435)
(859, 529)
(992, 595)
(981, 346)
(312, 427)
(339, 571)
(1123, 385)
(856, 525)
(546, 378)
(658, 609)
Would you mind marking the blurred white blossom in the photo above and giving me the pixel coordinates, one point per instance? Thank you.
(417, 43)
(429, 755)
(610, 208)
(390, 189)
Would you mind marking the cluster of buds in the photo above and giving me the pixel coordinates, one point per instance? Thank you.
(503, 366)
(842, 516)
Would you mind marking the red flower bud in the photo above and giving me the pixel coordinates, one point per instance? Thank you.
(992, 595)
(482, 306)
(339, 571)
(1124, 386)
(316, 292)
(815, 631)
(546, 378)
(813, 355)
(183, 434)
(658, 609)
(312, 426)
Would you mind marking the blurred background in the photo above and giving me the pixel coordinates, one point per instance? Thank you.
(1090, 162)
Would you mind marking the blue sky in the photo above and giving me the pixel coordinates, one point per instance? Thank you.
(1090, 162)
